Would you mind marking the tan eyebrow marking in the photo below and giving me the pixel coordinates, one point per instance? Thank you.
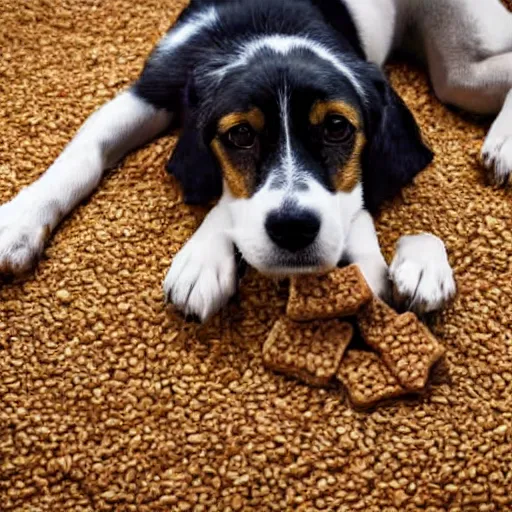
(321, 108)
(254, 117)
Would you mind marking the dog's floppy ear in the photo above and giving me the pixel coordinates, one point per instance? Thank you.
(195, 168)
(192, 162)
(395, 152)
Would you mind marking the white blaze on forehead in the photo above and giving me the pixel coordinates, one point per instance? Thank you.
(284, 44)
(287, 161)
(180, 34)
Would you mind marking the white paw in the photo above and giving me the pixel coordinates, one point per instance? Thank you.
(421, 274)
(23, 233)
(497, 158)
(202, 277)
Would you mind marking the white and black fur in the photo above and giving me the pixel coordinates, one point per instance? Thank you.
(281, 55)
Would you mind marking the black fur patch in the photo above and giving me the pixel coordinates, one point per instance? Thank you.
(395, 152)
(185, 80)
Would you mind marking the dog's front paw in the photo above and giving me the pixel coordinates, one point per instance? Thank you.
(497, 148)
(421, 274)
(497, 153)
(202, 277)
(23, 233)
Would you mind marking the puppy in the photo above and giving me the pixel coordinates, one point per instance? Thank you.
(288, 125)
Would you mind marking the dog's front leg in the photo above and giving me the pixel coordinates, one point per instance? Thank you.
(29, 218)
(420, 276)
(202, 277)
(363, 249)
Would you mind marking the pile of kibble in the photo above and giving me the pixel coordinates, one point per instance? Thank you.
(110, 403)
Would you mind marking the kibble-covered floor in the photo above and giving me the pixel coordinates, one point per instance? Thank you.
(110, 402)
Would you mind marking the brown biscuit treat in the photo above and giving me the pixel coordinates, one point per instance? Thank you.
(373, 318)
(407, 347)
(309, 351)
(342, 292)
(367, 379)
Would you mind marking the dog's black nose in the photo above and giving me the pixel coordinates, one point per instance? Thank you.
(292, 230)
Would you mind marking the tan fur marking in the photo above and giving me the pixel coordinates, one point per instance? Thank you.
(322, 108)
(349, 175)
(254, 117)
(233, 177)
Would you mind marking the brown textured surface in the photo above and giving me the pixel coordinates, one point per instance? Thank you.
(341, 292)
(110, 403)
(310, 351)
(407, 347)
(367, 379)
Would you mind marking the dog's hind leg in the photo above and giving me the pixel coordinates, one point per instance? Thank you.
(497, 148)
(28, 219)
(486, 87)
(479, 87)
(468, 47)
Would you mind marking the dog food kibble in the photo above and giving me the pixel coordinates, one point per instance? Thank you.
(337, 294)
(309, 351)
(406, 346)
(367, 379)
(64, 296)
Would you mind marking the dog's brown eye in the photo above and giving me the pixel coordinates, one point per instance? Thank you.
(337, 129)
(242, 136)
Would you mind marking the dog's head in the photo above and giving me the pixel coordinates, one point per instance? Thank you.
(299, 140)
